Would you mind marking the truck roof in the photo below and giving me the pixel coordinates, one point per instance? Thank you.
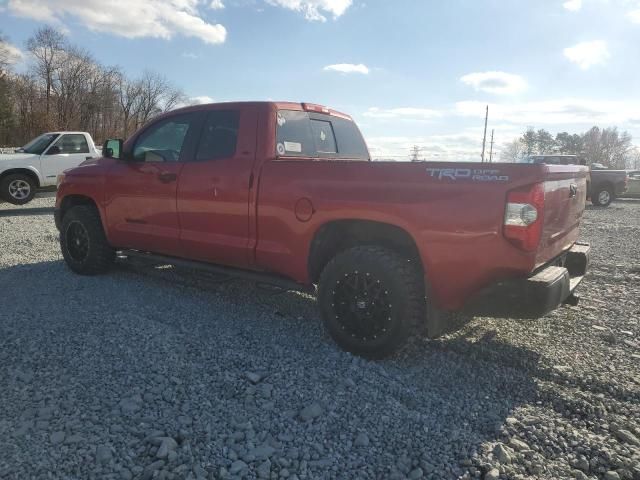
(60, 132)
(270, 105)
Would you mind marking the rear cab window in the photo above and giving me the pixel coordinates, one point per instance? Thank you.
(318, 135)
(72, 143)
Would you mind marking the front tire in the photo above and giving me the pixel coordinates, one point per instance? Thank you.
(603, 197)
(370, 299)
(17, 189)
(83, 243)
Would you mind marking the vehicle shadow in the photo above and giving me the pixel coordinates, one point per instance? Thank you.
(46, 193)
(453, 394)
(25, 212)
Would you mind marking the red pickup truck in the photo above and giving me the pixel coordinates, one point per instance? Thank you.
(286, 193)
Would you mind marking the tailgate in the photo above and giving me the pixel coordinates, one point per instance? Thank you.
(565, 195)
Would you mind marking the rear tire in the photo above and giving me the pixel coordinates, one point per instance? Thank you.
(370, 299)
(17, 189)
(602, 197)
(83, 243)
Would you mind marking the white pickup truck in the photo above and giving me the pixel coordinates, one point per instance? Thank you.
(39, 162)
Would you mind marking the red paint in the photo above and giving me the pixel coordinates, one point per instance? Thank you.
(245, 211)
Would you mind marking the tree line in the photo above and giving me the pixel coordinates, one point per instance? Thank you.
(65, 88)
(606, 146)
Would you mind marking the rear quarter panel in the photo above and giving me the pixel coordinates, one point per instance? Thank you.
(455, 221)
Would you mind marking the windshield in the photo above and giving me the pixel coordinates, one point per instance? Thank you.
(39, 144)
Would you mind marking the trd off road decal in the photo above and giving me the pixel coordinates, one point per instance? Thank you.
(474, 174)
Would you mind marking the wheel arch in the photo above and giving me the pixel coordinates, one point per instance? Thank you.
(74, 200)
(336, 236)
(605, 184)
(24, 171)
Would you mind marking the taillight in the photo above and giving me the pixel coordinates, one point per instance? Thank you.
(523, 216)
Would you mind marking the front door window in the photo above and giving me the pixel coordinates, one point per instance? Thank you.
(164, 141)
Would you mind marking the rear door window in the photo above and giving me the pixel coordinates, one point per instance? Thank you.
(219, 135)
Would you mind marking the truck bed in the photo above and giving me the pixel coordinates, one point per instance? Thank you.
(454, 212)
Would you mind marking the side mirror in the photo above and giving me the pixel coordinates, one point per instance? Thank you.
(55, 150)
(19, 150)
(112, 148)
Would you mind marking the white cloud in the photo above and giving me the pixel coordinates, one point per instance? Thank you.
(347, 68)
(573, 5)
(315, 10)
(634, 16)
(216, 5)
(500, 83)
(190, 55)
(199, 100)
(588, 54)
(567, 111)
(127, 18)
(10, 53)
(402, 113)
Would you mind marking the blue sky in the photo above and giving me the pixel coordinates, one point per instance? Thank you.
(410, 72)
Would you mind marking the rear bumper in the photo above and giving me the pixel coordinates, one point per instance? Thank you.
(536, 295)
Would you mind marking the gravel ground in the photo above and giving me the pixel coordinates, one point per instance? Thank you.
(166, 373)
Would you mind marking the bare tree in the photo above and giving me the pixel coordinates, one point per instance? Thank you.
(513, 151)
(153, 88)
(46, 46)
(6, 111)
(5, 56)
(129, 94)
(173, 98)
(66, 88)
(606, 146)
(156, 95)
(633, 159)
(72, 84)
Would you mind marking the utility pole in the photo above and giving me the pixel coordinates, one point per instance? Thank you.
(484, 137)
(491, 149)
(415, 153)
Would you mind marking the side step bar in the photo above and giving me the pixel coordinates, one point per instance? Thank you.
(258, 277)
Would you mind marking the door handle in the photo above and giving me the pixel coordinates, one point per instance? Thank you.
(88, 158)
(573, 190)
(167, 177)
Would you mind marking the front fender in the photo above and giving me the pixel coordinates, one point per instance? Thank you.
(8, 165)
